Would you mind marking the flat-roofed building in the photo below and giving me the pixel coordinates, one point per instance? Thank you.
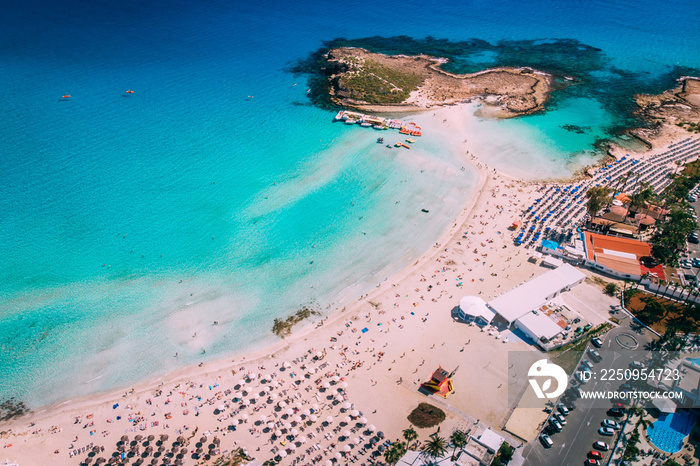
(533, 294)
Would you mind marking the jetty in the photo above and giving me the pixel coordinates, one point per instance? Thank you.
(377, 122)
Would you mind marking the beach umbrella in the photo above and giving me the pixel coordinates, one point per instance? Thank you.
(253, 376)
(244, 416)
(241, 382)
(287, 425)
(371, 428)
(347, 405)
(263, 418)
(338, 456)
(294, 432)
(343, 385)
(347, 420)
(274, 396)
(380, 434)
(339, 398)
(302, 439)
(289, 411)
(297, 418)
(278, 433)
(335, 378)
(354, 413)
(270, 425)
(356, 441)
(292, 447)
(329, 463)
(346, 433)
(306, 412)
(381, 448)
(326, 385)
(138, 438)
(151, 438)
(347, 448)
(267, 377)
(282, 404)
(282, 453)
(314, 407)
(313, 418)
(124, 438)
(329, 419)
(363, 420)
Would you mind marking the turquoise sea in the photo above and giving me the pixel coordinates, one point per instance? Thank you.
(218, 192)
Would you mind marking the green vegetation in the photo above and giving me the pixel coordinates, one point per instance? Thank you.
(670, 237)
(283, 328)
(567, 357)
(689, 126)
(393, 454)
(375, 83)
(611, 289)
(504, 455)
(426, 415)
(436, 447)
(410, 435)
(10, 409)
(598, 197)
(458, 439)
(632, 450)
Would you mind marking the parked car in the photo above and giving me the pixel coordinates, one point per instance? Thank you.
(602, 446)
(636, 365)
(592, 462)
(616, 412)
(611, 424)
(594, 355)
(693, 239)
(586, 364)
(595, 455)
(597, 342)
(583, 376)
(607, 431)
(562, 409)
(554, 423)
(560, 418)
(546, 441)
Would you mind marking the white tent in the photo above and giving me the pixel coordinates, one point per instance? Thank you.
(473, 308)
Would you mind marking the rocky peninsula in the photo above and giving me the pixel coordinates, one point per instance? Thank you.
(374, 82)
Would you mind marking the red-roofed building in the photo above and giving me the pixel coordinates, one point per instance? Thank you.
(620, 257)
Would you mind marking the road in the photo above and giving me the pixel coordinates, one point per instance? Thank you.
(576, 439)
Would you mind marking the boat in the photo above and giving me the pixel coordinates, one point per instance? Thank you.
(404, 130)
(398, 144)
(350, 121)
(67, 96)
(415, 133)
(410, 140)
(339, 115)
(389, 146)
(380, 140)
(425, 211)
(129, 91)
(364, 124)
(379, 127)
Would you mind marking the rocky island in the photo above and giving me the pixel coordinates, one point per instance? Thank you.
(374, 82)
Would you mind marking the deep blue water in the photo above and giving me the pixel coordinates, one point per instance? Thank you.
(109, 199)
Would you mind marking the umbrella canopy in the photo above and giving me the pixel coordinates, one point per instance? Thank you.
(241, 382)
(347, 405)
(346, 433)
(287, 425)
(244, 416)
(326, 385)
(380, 434)
(278, 433)
(354, 413)
(294, 432)
(313, 418)
(363, 420)
(274, 396)
(347, 448)
(282, 404)
(371, 428)
(644, 219)
(270, 425)
(343, 385)
(356, 441)
(329, 419)
(302, 439)
(289, 411)
(297, 418)
(306, 412)
(338, 456)
(263, 418)
(282, 453)
(314, 407)
(335, 378)
(347, 420)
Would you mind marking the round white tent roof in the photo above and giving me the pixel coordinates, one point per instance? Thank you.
(475, 307)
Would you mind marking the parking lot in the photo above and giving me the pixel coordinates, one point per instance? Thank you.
(690, 261)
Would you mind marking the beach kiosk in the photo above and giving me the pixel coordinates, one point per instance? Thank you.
(440, 383)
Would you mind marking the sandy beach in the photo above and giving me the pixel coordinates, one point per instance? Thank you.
(336, 381)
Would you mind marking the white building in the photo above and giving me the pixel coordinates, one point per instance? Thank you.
(533, 294)
(538, 327)
(474, 309)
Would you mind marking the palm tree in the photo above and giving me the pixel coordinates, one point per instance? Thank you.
(410, 435)
(598, 197)
(394, 454)
(435, 447)
(459, 440)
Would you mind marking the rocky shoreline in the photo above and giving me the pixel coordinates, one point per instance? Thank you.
(373, 82)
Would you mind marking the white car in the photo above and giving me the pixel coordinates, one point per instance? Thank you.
(560, 418)
(602, 446)
(611, 424)
(563, 409)
(607, 431)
